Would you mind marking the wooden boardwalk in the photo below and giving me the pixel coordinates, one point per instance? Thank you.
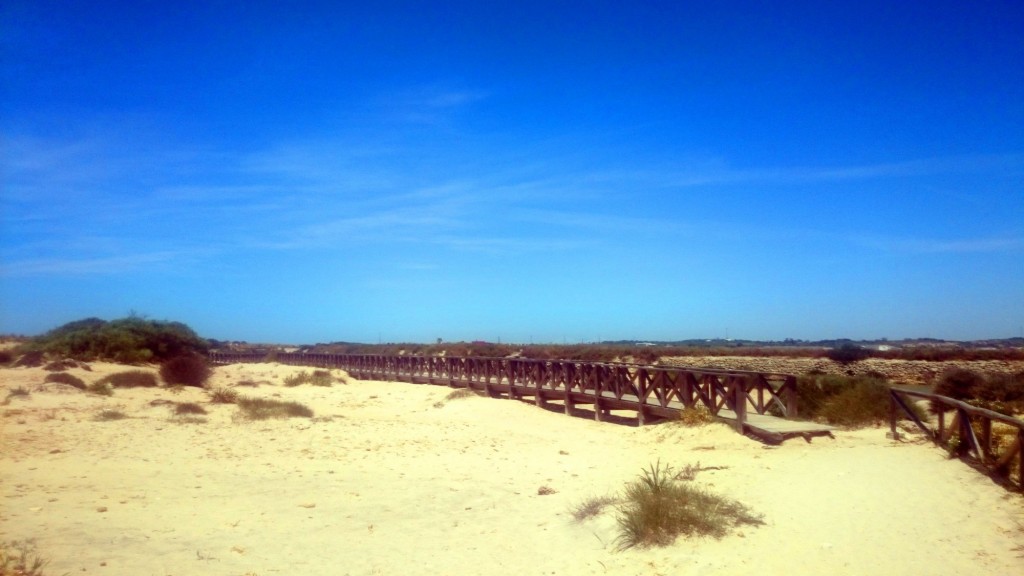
(751, 402)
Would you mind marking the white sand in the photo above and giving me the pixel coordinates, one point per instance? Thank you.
(384, 482)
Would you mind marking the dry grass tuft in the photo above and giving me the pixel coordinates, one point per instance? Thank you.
(263, 408)
(19, 558)
(316, 378)
(223, 396)
(100, 388)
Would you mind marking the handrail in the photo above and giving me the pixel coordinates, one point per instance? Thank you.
(658, 391)
(974, 445)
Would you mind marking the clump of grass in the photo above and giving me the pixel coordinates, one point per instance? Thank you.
(100, 388)
(591, 507)
(189, 370)
(249, 383)
(264, 408)
(65, 378)
(188, 408)
(546, 491)
(316, 378)
(130, 379)
(20, 558)
(658, 507)
(223, 396)
(109, 414)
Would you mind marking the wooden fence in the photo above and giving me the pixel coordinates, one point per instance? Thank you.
(652, 391)
(968, 435)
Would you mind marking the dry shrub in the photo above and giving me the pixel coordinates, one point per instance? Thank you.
(186, 371)
(698, 415)
(130, 379)
(65, 378)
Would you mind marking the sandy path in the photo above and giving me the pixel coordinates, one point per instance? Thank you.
(384, 482)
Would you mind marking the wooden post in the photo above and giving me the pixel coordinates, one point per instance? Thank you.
(598, 388)
(892, 415)
(791, 397)
(739, 398)
(1020, 459)
(985, 440)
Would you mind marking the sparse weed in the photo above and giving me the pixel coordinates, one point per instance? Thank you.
(263, 408)
(591, 507)
(657, 507)
(20, 558)
(19, 392)
(109, 414)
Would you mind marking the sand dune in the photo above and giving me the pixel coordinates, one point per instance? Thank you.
(392, 479)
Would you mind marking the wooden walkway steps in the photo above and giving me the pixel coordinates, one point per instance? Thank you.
(752, 402)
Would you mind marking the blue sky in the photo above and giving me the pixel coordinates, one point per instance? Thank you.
(522, 171)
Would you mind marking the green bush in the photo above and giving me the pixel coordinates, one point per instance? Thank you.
(130, 340)
(848, 354)
(844, 400)
(658, 507)
(959, 383)
(186, 371)
(65, 378)
(130, 379)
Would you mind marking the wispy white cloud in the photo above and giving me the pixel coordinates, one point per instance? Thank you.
(86, 265)
(943, 246)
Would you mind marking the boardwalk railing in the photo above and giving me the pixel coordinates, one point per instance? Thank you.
(969, 433)
(651, 391)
